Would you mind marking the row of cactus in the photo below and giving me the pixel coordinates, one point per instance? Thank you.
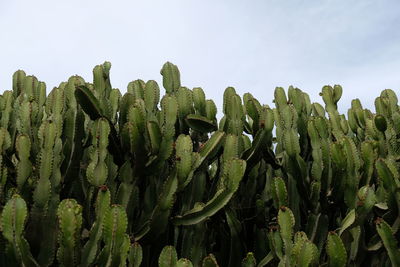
(91, 177)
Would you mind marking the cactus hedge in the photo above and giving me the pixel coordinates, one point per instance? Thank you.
(91, 177)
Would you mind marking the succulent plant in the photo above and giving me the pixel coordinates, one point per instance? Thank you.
(93, 177)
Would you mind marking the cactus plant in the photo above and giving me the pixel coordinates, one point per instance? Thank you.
(93, 177)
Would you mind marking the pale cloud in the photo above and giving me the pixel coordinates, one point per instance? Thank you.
(251, 45)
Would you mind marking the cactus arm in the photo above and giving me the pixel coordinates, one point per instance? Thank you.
(253, 108)
(291, 142)
(18, 82)
(155, 136)
(126, 186)
(13, 219)
(151, 96)
(275, 242)
(97, 169)
(210, 148)
(115, 98)
(389, 177)
(47, 136)
(184, 96)
(160, 214)
(355, 244)
(69, 214)
(55, 106)
(210, 261)
(6, 109)
(132, 140)
(267, 259)
(91, 105)
(73, 148)
(137, 115)
(199, 100)
(91, 247)
(169, 108)
(48, 243)
(102, 87)
(249, 260)
(169, 112)
(352, 177)
(336, 251)
(211, 110)
(366, 201)
(206, 154)
(73, 132)
(200, 123)
(101, 79)
(126, 102)
(286, 223)
(184, 263)
(183, 156)
(390, 243)
(168, 257)
(136, 88)
(5, 143)
(171, 77)
(135, 255)
(348, 221)
(253, 154)
(304, 251)
(46, 193)
(368, 155)
(88, 102)
(231, 148)
(116, 241)
(221, 198)
(200, 213)
(279, 192)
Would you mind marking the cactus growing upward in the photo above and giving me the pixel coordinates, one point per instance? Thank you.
(91, 177)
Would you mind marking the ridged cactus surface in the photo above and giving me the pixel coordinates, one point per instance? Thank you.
(93, 177)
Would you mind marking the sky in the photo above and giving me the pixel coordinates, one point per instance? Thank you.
(253, 46)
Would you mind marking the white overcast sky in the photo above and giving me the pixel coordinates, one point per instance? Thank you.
(253, 46)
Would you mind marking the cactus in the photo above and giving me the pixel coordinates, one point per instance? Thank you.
(171, 77)
(202, 211)
(90, 249)
(184, 263)
(97, 169)
(386, 234)
(168, 257)
(336, 250)
(13, 219)
(70, 220)
(89, 102)
(305, 252)
(135, 255)
(116, 241)
(210, 261)
(249, 261)
(24, 166)
(5, 143)
(90, 177)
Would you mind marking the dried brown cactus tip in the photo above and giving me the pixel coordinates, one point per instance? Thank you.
(103, 188)
(378, 220)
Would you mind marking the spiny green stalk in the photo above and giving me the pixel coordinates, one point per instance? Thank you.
(13, 219)
(69, 215)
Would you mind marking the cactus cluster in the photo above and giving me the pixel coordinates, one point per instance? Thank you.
(91, 177)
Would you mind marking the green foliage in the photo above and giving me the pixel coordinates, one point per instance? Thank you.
(91, 177)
